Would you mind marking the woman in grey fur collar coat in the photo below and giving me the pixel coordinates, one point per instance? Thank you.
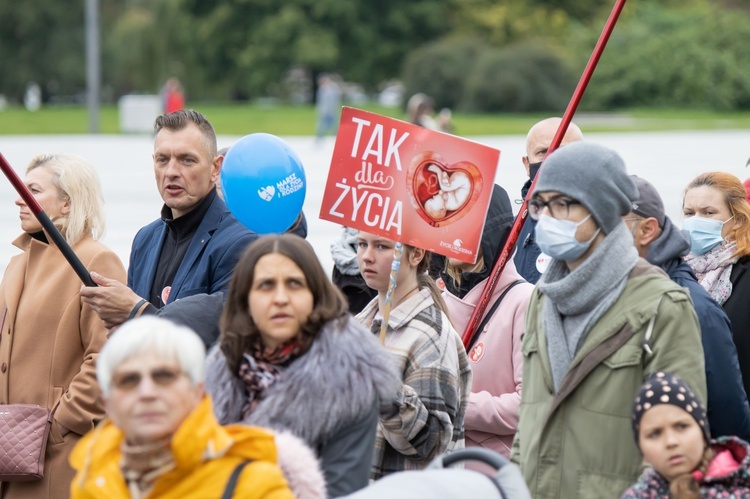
(290, 357)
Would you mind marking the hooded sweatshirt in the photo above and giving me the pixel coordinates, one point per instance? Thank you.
(495, 357)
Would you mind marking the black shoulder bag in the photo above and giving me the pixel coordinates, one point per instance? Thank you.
(490, 312)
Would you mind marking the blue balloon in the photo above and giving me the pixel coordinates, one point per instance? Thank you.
(264, 183)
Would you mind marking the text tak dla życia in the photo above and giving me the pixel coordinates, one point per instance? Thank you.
(371, 182)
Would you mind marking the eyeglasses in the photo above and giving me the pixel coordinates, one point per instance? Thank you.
(162, 376)
(558, 207)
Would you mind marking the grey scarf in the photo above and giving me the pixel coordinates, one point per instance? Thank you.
(576, 300)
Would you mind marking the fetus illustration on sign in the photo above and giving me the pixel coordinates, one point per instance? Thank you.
(441, 192)
(455, 189)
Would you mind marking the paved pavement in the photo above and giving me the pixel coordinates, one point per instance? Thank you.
(668, 159)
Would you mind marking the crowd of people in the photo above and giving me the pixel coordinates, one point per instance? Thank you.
(613, 359)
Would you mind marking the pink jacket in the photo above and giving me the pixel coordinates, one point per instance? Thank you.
(496, 361)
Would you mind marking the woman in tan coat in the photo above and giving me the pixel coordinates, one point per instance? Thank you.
(49, 340)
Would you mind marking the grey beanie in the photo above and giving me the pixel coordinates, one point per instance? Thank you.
(594, 175)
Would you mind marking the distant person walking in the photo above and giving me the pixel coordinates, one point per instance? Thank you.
(173, 96)
(327, 106)
(420, 110)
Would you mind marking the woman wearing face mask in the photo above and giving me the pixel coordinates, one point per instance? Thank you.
(717, 216)
(600, 320)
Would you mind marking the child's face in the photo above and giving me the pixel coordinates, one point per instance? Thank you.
(375, 256)
(670, 440)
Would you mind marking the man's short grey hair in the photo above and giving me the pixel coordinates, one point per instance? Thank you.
(151, 334)
(179, 120)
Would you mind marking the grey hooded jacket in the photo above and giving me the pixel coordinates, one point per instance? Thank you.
(331, 397)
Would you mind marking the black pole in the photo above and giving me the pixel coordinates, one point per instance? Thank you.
(47, 224)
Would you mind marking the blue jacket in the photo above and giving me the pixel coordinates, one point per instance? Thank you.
(728, 410)
(527, 252)
(207, 266)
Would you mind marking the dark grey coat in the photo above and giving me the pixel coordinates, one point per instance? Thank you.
(330, 397)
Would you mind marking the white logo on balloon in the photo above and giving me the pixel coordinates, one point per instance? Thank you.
(266, 193)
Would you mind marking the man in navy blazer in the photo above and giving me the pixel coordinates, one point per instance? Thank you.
(194, 246)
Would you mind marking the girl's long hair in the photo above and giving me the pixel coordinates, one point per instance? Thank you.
(685, 486)
(424, 281)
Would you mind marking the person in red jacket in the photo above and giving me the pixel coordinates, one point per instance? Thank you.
(173, 96)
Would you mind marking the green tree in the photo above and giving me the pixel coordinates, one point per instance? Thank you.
(252, 43)
(146, 42)
(511, 21)
(441, 69)
(673, 57)
(43, 42)
(525, 77)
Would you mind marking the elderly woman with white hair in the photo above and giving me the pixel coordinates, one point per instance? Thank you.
(162, 439)
(50, 340)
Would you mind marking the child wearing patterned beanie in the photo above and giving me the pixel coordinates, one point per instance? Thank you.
(671, 430)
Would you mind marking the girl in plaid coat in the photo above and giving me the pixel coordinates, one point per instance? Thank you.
(427, 418)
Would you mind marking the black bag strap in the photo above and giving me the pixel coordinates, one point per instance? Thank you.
(233, 479)
(490, 312)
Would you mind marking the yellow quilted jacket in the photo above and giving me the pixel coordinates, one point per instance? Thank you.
(205, 455)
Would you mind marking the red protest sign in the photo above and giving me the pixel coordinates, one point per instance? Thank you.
(410, 184)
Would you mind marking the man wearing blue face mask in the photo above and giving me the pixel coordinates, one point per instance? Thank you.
(529, 259)
(599, 322)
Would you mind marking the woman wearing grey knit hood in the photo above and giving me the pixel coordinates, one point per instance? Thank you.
(600, 320)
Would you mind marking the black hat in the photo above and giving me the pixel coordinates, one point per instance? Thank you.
(665, 388)
(649, 203)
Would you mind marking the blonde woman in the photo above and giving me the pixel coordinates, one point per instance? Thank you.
(50, 340)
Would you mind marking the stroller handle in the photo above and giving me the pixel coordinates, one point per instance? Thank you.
(475, 454)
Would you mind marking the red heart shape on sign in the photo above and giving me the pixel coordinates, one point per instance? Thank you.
(442, 193)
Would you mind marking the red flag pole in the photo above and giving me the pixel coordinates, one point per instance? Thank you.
(515, 230)
(48, 225)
